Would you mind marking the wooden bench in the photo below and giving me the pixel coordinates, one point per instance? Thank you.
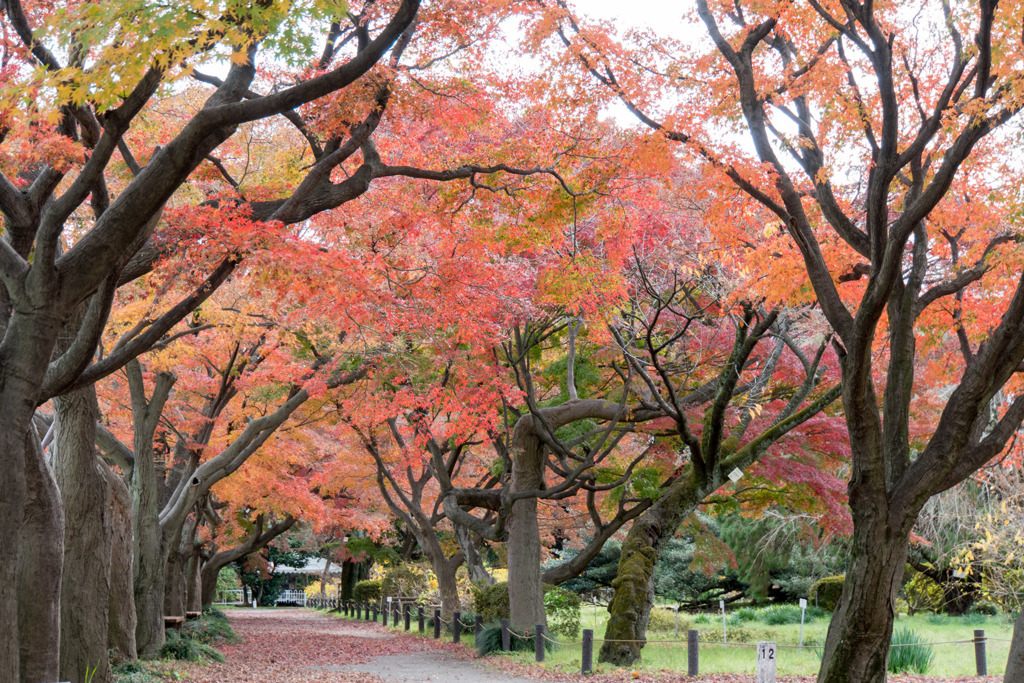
(173, 622)
(193, 615)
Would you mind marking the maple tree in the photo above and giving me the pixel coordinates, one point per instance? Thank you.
(732, 385)
(100, 184)
(869, 129)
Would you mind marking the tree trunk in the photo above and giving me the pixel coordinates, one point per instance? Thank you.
(148, 555)
(474, 563)
(122, 624)
(24, 354)
(525, 591)
(349, 571)
(630, 608)
(208, 581)
(194, 586)
(85, 588)
(174, 582)
(444, 571)
(1015, 662)
(39, 582)
(857, 645)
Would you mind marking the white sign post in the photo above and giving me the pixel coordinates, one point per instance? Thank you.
(254, 603)
(766, 662)
(803, 612)
(721, 605)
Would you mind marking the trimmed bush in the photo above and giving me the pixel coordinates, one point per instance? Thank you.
(561, 606)
(825, 592)
(491, 602)
(664, 621)
(366, 591)
(913, 656)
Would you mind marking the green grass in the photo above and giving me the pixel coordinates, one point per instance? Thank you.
(949, 660)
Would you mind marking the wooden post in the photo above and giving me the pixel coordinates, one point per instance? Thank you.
(478, 625)
(538, 642)
(766, 662)
(456, 626)
(692, 654)
(408, 615)
(437, 624)
(419, 617)
(375, 613)
(506, 635)
(979, 652)
(588, 651)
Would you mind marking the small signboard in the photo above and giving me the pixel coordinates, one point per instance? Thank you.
(766, 662)
(803, 603)
(736, 474)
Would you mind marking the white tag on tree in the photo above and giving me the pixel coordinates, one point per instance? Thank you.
(736, 474)
(959, 573)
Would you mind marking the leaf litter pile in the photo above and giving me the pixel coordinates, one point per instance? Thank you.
(290, 646)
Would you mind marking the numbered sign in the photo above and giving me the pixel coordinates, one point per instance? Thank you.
(766, 662)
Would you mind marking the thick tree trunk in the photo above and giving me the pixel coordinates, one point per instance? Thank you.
(525, 591)
(348, 579)
(857, 645)
(193, 585)
(630, 608)
(24, 354)
(13, 527)
(85, 588)
(121, 635)
(208, 581)
(1015, 662)
(148, 555)
(174, 582)
(38, 586)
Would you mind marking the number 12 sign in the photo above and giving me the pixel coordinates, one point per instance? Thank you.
(766, 662)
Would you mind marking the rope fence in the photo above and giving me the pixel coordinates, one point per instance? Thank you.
(401, 607)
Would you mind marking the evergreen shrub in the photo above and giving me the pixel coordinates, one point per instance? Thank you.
(825, 592)
(366, 591)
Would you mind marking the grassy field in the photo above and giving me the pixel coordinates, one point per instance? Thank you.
(715, 657)
(950, 659)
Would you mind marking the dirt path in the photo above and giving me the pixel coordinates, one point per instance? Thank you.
(293, 645)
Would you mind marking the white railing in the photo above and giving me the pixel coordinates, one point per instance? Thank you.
(298, 597)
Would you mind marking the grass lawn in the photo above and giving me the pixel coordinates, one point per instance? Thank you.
(949, 659)
(739, 657)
